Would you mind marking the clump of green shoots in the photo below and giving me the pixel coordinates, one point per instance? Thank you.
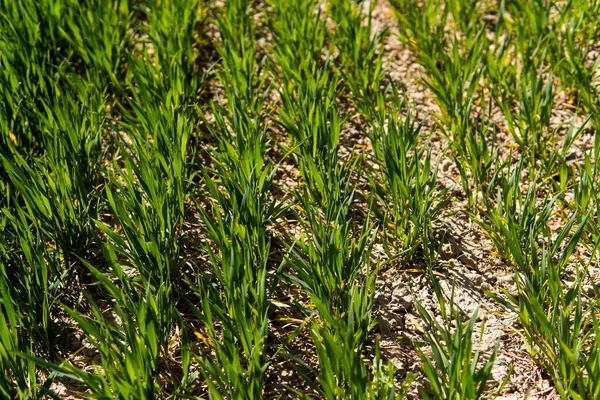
(479, 159)
(530, 125)
(552, 315)
(574, 68)
(52, 198)
(299, 33)
(342, 371)
(28, 326)
(454, 69)
(409, 200)
(59, 189)
(331, 262)
(130, 351)
(237, 225)
(360, 53)
(557, 327)
(518, 221)
(453, 369)
(586, 202)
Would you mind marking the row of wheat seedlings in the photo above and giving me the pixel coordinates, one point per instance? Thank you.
(65, 66)
(531, 42)
(235, 312)
(52, 123)
(149, 182)
(331, 259)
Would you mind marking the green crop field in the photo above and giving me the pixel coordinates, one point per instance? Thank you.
(307, 199)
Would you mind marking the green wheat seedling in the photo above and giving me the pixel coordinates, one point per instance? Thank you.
(148, 192)
(467, 15)
(25, 74)
(59, 189)
(584, 195)
(478, 160)
(581, 29)
(32, 281)
(309, 111)
(332, 258)
(532, 263)
(453, 369)
(383, 386)
(49, 34)
(338, 341)
(147, 196)
(422, 25)
(98, 32)
(529, 125)
(531, 129)
(51, 155)
(409, 201)
(531, 25)
(45, 45)
(38, 280)
(237, 225)
(596, 152)
(148, 200)
(454, 80)
(176, 29)
(130, 352)
(237, 368)
(501, 70)
(523, 57)
(166, 68)
(453, 64)
(346, 315)
(311, 117)
(334, 255)
(240, 129)
(241, 71)
(361, 53)
(586, 202)
(241, 167)
(299, 33)
(521, 233)
(557, 327)
(557, 167)
(453, 77)
(551, 315)
(562, 335)
(17, 375)
(330, 261)
(454, 68)
(54, 199)
(517, 221)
